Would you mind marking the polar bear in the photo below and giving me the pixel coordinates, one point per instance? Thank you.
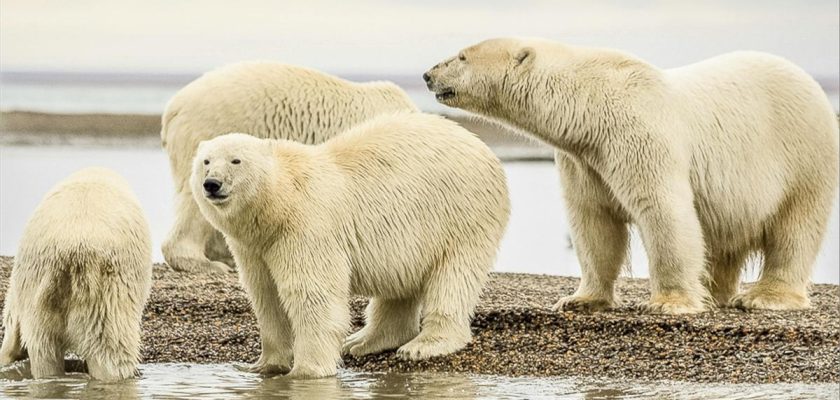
(267, 100)
(408, 209)
(714, 162)
(80, 279)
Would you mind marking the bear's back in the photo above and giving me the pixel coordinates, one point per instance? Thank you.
(93, 212)
(281, 101)
(397, 166)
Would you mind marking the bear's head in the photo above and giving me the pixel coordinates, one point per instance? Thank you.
(230, 171)
(473, 79)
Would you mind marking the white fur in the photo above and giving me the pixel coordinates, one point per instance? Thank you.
(267, 100)
(714, 161)
(407, 209)
(81, 279)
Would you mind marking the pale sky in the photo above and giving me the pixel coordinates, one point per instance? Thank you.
(396, 37)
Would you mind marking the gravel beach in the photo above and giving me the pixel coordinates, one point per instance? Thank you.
(207, 319)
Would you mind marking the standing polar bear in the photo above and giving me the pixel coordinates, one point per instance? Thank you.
(80, 280)
(408, 209)
(713, 161)
(267, 100)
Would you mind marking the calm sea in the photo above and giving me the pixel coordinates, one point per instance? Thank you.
(144, 95)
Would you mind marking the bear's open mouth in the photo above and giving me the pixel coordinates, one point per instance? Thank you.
(445, 94)
(216, 198)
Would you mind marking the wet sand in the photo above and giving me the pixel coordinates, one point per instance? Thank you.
(207, 319)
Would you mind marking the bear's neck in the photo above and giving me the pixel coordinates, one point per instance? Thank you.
(575, 111)
(551, 108)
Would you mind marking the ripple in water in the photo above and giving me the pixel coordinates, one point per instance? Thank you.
(222, 381)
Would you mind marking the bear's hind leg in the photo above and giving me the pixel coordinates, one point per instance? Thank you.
(449, 298)
(107, 336)
(12, 348)
(112, 354)
(790, 250)
(725, 277)
(388, 324)
(46, 356)
(108, 369)
(184, 247)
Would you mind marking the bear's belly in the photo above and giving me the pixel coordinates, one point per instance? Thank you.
(734, 213)
(392, 279)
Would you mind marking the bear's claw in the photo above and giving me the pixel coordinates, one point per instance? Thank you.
(265, 368)
(759, 299)
(672, 304)
(422, 348)
(582, 303)
(371, 341)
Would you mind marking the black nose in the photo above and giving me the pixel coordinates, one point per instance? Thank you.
(212, 185)
(426, 77)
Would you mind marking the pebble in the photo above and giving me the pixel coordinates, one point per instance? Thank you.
(207, 319)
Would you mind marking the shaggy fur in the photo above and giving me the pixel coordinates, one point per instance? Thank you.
(267, 100)
(81, 279)
(407, 209)
(714, 161)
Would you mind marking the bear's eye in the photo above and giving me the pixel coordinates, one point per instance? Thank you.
(235, 161)
(462, 57)
(206, 162)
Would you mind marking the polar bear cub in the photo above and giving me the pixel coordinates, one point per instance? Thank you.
(714, 161)
(408, 209)
(80, 279)
(267, 100)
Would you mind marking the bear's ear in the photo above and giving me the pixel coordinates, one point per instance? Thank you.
(524, 57)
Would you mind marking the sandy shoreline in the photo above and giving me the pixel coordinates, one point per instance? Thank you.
(207, 319)
(26, 128)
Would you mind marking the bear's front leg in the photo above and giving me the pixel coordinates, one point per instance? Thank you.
(650, 176)
(673, 238)
(320, 320)
(275, 330)
(315, 289)
(600, 236)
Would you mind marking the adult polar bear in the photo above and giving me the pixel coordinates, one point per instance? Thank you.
(748, 138)
(267, 100)
(408, 209)
(81, 279)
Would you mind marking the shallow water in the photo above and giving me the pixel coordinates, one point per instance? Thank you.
(537, 238)
(223, 381)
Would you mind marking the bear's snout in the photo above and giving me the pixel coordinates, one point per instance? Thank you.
(427, 77)
(212, 186)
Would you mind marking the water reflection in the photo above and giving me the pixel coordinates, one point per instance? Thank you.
(16, 381)
(225, 381)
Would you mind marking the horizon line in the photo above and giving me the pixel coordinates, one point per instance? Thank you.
(165, 78)
(828, 83)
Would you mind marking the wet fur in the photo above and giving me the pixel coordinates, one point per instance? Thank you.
(80, 280)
